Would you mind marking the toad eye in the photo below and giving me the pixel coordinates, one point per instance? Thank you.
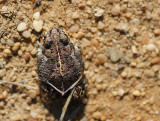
(47, 45)
(64, 39)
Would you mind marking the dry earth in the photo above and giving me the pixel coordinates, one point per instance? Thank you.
(120, 42)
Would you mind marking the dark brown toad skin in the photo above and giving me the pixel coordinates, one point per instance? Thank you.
(59, 65)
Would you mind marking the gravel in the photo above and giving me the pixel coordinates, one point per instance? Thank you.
(4, 8)
(75, 15)
(116, 10)
(37, 25)
(7, 51)
(101, 25)
(155, 60)
(98, 12)
(2, 72)
(3, 41)
(10, 42)
(114, 54)
(22, 27)
(102, 58)
(136, 93)
(151, 47)
(16, 46)
(120, 47)
(26, 34)
(157, 31)
(74, 28)
(27, 56)
(36, 15)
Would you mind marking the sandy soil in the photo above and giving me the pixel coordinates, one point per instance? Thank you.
(120, 46)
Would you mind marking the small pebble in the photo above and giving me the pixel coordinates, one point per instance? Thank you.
(4, 8)
(89, 3)
(94, 42)
(151, 47)
(27, 56)
(34, 73)
(124, 74)
(84, 119)
(99, 79)
(3, 41)
(29, 48)
(139, 86)
(32, 94)
(29, 100)
(12, 101)
(75, 15)
(99, 87)
(115, 54)
(101, 25)
(22, 27)
(5, 93)
(102, 58)
(123, 8)
(81, 6)
(134, 49)
(97, 115)
(26, 34)
(2, 104)
(23, 48)
(80, 34)
(134, 64)
(123, 27)
(115, 10)
(7, 51)
(20, 53)
(34, 52)
(85, 42)
(94, 92)
(155, 60)
(36, 15)
(98, 12)
(94, 29)
(2, 72)
(135, 21)
(33, 114)
(16, 46)
(136, 93)
(37, 25)
(128, 15)
(149, 73)
(157, 31)
(10, 42)
(121, 92)
(135, 30)
(1, 64)
(150, 6)
(74, 28)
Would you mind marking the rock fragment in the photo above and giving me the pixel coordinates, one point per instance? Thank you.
(22, 27)
(37, 25)
(114, 54)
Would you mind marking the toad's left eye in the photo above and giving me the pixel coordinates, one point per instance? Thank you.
(47, 44)
(64, 39)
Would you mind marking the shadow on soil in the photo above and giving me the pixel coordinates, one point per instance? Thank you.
(75, 110)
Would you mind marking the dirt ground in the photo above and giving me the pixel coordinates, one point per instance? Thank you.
(120, 42)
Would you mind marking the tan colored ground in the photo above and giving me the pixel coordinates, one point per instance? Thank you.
(120, 45)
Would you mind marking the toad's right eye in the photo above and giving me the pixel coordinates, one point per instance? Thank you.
(47, 45)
